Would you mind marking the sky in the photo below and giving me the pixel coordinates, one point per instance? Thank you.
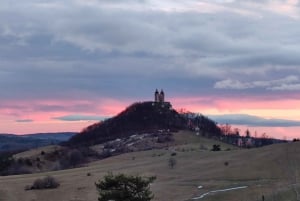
(65, 64)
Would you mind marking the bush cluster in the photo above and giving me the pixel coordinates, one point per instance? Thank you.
(216, 147)
(44, 183)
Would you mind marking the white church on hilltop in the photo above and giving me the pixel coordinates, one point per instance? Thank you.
(159, 97)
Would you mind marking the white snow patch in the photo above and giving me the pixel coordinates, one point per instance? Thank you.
(130, 144)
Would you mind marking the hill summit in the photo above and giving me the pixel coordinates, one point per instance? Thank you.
(140, 117)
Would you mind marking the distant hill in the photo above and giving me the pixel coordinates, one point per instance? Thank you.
(62, 136)
(12, 142)
(137, 118)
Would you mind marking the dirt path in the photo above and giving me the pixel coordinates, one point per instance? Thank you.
(218, 191)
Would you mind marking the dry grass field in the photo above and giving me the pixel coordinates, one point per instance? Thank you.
(272, 171)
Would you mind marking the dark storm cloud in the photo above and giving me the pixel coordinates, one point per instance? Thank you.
(107, 48)
(249, 120)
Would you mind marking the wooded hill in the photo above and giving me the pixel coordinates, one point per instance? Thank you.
(143, 117)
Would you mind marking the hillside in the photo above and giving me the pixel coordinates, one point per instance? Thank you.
(271, 171)
(57, 157)
(137, 118)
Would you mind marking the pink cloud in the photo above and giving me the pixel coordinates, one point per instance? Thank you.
(41, 114)
(222, 105)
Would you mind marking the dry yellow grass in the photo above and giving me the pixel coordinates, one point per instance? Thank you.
(269, 170)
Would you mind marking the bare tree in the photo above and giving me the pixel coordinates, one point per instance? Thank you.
(247, 133)
(172, 162)
(226, 129)
(236, 131)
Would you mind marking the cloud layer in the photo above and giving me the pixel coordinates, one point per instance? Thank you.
(60, 48)
(68, 57)
(289, 83)
(250, 120)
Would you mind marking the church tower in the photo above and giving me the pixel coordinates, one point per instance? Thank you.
(156, 96)
(159, 97)
(162, 96)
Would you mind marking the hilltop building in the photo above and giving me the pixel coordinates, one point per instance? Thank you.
(159, 97)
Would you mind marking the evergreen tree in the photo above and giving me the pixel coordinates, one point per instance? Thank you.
(124, 188)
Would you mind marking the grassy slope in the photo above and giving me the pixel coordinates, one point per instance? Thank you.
(37, 152)
(264, 170)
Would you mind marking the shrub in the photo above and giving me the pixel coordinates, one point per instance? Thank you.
(44, 183)
(226, 163)
(216, 147)
(173, 154)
